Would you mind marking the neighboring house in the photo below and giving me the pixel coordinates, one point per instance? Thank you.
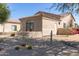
(42, 23)
(10, 26)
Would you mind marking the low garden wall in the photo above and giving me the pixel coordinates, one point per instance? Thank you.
(62, 31)
(67, 31)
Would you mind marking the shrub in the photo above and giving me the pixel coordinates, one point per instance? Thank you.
(1, 40)
(1, 49)
(29, 47)
(74, 31)
(12, 34)
(17, 48)
(23, 45)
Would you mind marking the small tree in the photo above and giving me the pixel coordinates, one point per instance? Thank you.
(4, 14)
(66, 7)
(72, 8)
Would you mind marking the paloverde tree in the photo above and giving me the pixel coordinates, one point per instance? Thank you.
(66, 7)
(72, 8)
(4, 13)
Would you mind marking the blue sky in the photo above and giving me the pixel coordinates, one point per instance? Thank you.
(26, 9)
(19, 10)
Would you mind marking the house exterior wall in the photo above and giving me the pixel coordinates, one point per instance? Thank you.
(44, 25)
(37, 23)
(67, 20)
(37, 20)
(7, 27)
(1, 28)
(48, 25)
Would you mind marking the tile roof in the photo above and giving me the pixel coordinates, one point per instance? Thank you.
(12, 21)
(50, 15)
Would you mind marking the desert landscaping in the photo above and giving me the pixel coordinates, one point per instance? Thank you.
(35, 31)
(23, 46)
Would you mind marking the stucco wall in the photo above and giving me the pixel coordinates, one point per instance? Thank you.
(48, 25)
(7, 27)
(35, 34)
(1, 28)
(37, 23)
(44, 25)
(67, 20)
(37, 31)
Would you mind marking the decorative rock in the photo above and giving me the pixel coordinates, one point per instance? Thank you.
(65, 51)
(59, 53)
(74, 51)
(48, 51)
(63, 47)
(66, 54)
(77, 46)
(74, 54)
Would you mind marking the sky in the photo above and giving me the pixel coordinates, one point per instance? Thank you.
(19, 10)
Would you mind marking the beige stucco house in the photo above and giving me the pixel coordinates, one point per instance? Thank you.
(9, 27)
(42, 23)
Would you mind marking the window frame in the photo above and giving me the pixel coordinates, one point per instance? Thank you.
(14, 27)
(30, 26)
(59, 23)
(64, 25)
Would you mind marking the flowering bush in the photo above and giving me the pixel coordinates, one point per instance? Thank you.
(77, 31)
(74, 31)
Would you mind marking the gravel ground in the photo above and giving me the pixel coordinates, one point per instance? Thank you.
(39, 47)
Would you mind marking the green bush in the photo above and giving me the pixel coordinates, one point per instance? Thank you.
(1, 49)
(23, 45)
(1, 40)
(29, 47)
(17, 48)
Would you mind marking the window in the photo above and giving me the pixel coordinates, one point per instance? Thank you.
(76, 25)
(14, 28)
(30, 26)
(64, 25)
(59, 23)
